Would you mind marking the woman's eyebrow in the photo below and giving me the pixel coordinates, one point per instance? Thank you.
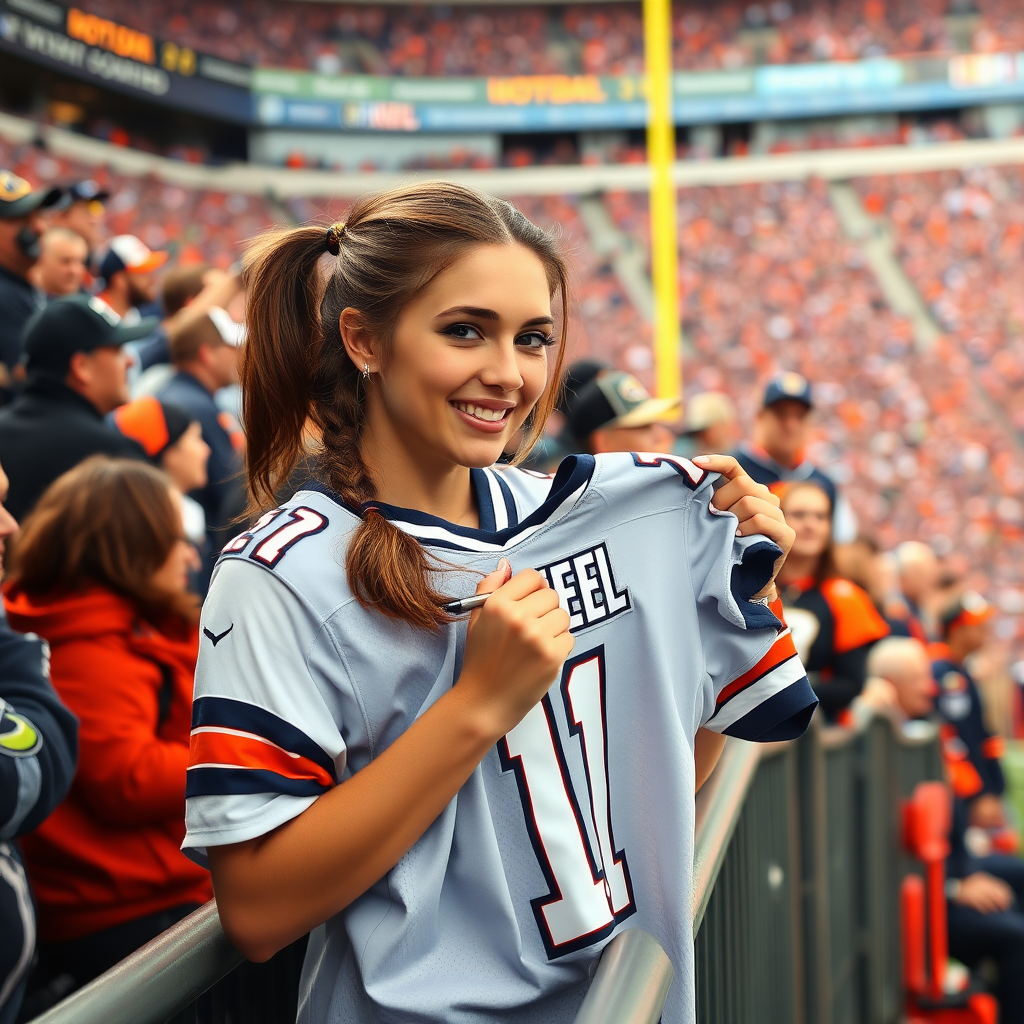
(538, 320)
(481, 314)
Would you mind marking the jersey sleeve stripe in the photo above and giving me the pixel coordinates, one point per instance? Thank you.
(248, 718)
(214, 780)
(781, 651)
(783, 716)
(211, 748)
(791, 672)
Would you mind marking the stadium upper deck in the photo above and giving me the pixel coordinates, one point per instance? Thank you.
(604, 38)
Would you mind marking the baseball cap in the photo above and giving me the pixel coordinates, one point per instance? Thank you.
(231, 332)
(154, 424)
(76, 323)
(706, 409)
(126, 252)
(17, 199)
(788, 386)
(968, 610)
(614, 399)
(87, 191)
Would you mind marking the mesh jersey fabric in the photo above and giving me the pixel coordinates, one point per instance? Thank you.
(580, 821)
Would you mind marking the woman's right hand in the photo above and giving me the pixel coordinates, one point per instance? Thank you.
(515, 647)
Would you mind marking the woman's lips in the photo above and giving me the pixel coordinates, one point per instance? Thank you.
(479, 417)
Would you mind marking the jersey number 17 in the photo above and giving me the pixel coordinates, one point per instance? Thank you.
(589, 891)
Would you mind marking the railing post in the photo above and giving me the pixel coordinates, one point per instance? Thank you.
(631, 982)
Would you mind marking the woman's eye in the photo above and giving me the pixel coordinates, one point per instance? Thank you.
(464, 332)
(535, 339)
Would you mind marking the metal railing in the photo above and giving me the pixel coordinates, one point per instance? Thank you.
(801, 924)
(796, 872)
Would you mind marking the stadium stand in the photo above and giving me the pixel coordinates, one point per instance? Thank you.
(597, 39)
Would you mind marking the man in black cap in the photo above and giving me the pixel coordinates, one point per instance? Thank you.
(774, 456)
(609, 410)
(77, 373)
(21, 227)
(83, 212)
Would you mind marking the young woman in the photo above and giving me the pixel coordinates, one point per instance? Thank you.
(834, 622)
(100, 571)
(462, 835)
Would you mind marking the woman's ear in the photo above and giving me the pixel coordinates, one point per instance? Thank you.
(357, 340)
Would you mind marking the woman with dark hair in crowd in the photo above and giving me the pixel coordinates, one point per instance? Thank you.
(432, 789)
(834, 622)
(100, 571)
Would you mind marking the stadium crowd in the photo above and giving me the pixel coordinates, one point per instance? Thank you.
(123, 321)
(564, 39)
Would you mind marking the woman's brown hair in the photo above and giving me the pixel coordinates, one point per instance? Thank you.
(295, 368)
(828, 567)
(107, 521)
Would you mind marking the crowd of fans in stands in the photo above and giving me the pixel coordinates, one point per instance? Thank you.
(564, 39)
(118, 436)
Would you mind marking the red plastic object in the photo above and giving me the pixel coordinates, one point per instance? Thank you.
(927, 817)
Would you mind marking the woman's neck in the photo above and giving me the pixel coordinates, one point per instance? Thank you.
(411, 478)
(798, 567)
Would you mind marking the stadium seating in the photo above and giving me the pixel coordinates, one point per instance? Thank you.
(603, 39)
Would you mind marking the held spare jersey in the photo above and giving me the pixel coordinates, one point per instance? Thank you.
(579, 822)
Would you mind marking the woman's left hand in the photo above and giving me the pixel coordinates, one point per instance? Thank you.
(756, 508)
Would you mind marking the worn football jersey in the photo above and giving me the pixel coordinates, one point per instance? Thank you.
(579, 822)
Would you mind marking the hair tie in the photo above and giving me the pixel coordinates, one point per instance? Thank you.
(333, 238)
(365, 511)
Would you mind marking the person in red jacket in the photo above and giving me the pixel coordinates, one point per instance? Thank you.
(100, 572)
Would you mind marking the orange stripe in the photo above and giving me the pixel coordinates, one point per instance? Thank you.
(782, 649)
(245, 752)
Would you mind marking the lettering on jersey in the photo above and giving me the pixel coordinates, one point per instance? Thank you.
(589, 890)
(303, 522)
(238, 543)
(693, 475)
(586, 588)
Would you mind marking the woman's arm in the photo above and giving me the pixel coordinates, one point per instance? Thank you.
(707, 749)
(274, 889)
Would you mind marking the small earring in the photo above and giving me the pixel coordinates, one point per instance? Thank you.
(366, 371)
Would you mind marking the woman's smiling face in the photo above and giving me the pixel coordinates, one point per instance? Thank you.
(468, 361)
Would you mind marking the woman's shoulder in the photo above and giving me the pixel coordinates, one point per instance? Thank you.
(78, 615)
(857, 619)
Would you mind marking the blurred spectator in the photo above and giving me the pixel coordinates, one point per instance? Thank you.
(972, 750)
(206, 354)
(196, 288)
(833, 621)
(917, 569)
(900, 678)
(775, 455)
(61, 267)
(610, 411)
(21, 227)
(38, 750)
(862, 562)
(83, 212)
(709, 424)
(173, 439)
(77, 373)
(127, 273)
(986, 894)
(100, 572)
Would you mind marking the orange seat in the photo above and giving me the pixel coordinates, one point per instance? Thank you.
(927, 819)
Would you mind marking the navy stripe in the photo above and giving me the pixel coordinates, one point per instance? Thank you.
(237, 714)
(783, 716)
(574, 472)
(750, 577)
(754, 682)
(484, 503)
(510, 502)
(233, 781)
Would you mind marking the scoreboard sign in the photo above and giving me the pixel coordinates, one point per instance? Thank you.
(106, 53)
